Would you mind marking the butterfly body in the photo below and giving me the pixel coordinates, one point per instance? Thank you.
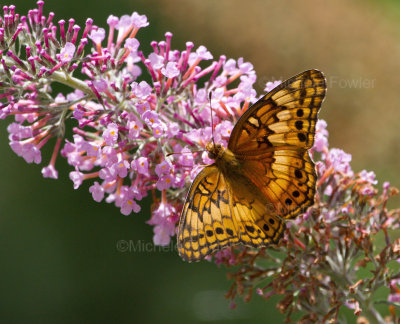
(230, 167)
(263, 177)
(224, 158)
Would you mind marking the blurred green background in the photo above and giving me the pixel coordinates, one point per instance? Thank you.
(60, 260)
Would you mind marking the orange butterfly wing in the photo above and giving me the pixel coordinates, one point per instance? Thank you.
(272, 139)
(219, 212)
(284, 117)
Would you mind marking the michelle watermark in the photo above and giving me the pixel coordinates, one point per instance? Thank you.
(141, 246)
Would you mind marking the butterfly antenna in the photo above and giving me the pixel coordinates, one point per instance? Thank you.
(172, 153)
(212, 121)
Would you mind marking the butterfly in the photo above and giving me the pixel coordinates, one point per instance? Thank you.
(264, 177)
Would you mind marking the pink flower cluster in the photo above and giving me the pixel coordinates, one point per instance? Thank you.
(125, 126)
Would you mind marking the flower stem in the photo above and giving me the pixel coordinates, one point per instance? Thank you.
(72, 82)
(368, 310)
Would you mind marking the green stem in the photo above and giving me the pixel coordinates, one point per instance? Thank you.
(62, 77)
(72, 82)
(368, 310)
(342, 280)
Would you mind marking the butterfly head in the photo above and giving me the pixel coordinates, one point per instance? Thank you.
(215, 151)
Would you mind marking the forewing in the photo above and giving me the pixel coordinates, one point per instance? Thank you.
(286, 116)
